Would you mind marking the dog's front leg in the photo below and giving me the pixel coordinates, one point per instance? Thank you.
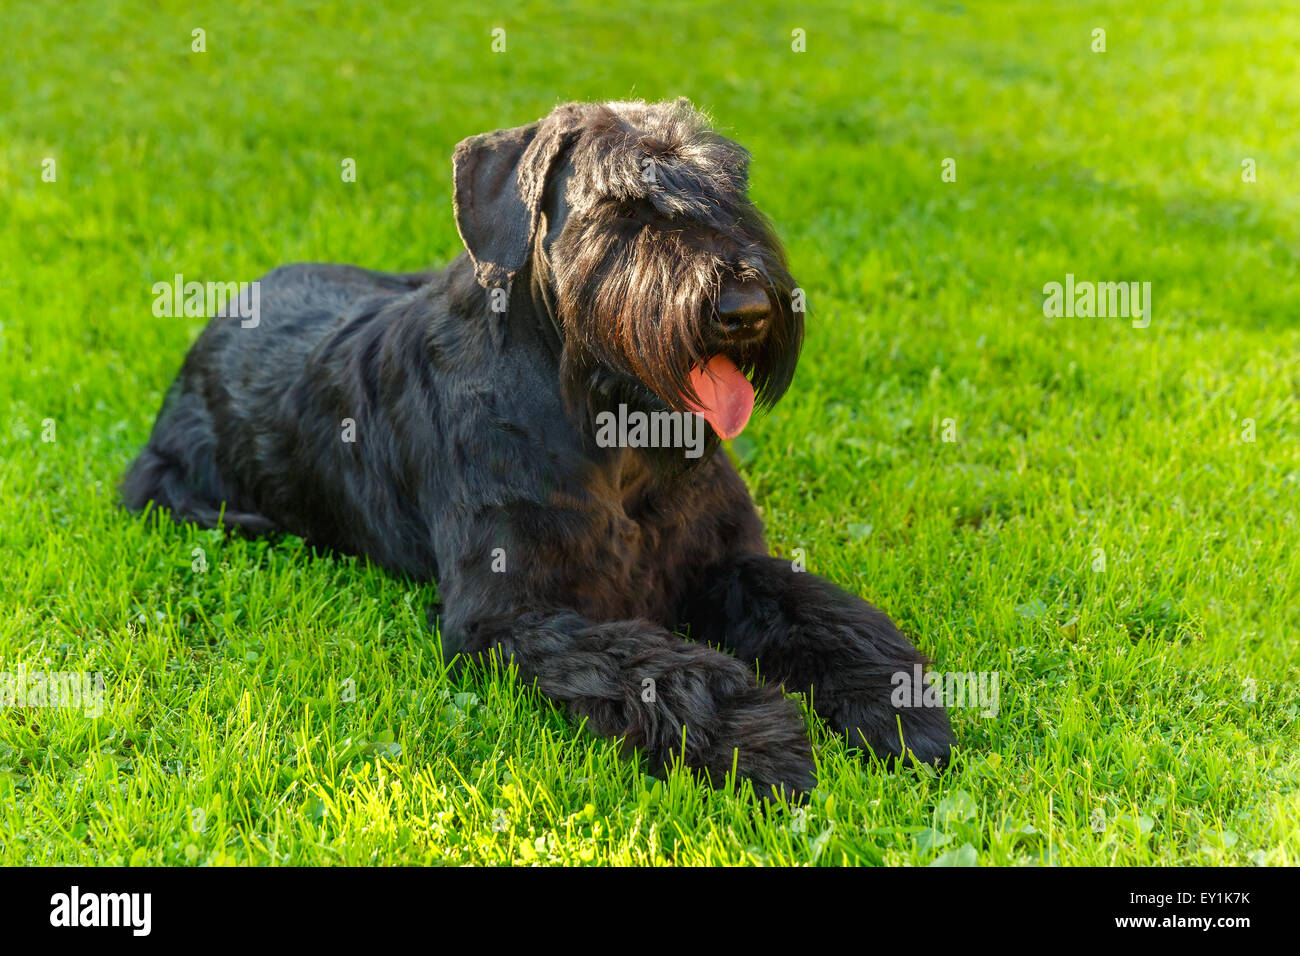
(814, 637)
(669, 698)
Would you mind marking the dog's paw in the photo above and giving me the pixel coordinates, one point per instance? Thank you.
(767, 739)
(906, 735)
(715, 718)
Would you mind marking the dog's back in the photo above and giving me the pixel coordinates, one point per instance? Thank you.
(227, 369)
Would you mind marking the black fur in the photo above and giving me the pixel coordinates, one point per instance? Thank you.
(587, 282)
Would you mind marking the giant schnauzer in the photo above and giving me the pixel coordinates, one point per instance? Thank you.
(445, 425)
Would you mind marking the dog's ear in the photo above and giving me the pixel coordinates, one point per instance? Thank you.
(499, 181)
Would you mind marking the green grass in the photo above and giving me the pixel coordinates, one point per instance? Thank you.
(1125, 733)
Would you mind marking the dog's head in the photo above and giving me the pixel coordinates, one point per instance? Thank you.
(667, 286)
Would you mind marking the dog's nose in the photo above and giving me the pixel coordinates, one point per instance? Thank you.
(743, 309)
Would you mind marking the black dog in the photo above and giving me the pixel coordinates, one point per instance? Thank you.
(444, 425)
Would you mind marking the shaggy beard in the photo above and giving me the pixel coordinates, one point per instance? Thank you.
(634, 304)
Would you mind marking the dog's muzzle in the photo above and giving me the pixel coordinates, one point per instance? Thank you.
(743, 313)
(741, 317)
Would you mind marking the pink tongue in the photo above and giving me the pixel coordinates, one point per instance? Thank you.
(726, 397)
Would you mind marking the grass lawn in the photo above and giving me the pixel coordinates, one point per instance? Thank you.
(1113, 530)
